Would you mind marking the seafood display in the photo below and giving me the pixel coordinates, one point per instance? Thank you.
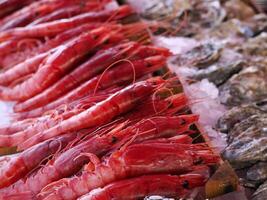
(93, 115)
(229, 52)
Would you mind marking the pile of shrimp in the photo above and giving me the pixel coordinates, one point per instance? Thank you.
(90, 120)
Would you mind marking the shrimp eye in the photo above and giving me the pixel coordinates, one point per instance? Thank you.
(198, 161)
(114, 139)
(185, 184)
(106, 41)
(183, 122)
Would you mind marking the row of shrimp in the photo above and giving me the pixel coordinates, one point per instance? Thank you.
(90, 120)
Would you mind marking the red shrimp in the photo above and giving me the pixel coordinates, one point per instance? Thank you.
(25, 68)
(66, 36)
(156, 158)
(22, 14)
(103, 112)
(60, 62)
(8, 6)
(67, 12)
(84, 72)
(8, 47)
(35, 10)
(140, 187)
(15, 127)
(24, 162)
(58, 26)
(22, 53)
(155, 107)
(70, 161)
(48, 121)
(40, 9)
(91, 98)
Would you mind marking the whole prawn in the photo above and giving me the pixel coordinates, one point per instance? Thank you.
(103, 112)
(24, 162)
(25, 68)
(13, 138)
(156, 158)
(52, 108)
(140, 187)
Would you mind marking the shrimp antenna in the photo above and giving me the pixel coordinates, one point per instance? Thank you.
(122, 60)
(154, 97)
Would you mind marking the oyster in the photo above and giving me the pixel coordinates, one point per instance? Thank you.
(254, 126)
(210, 61)
(247, 86)
(200, 56)
(172, 16)
(240, 113)
(255, 47)
(238, 9)
(247, 142)
(261, 192)
(258, 172)
(246, 151)
(219, 72)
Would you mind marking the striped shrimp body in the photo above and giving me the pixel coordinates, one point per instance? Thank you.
(56, 64)
(103, 112)
(124, 70)
(156, 158)
(55, 27)
(15, 127)
(24, 162)
(84, 72)
(8, 6)
(45, 122)
(138, 188)
(37, 10)
(68, 11)
(119, 75)
(16, 53)
(78, 103)
(25, 68)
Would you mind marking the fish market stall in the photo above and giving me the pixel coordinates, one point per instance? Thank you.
(160, 99)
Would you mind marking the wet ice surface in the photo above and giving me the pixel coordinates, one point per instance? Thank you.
(204, 101)
(203, 95)
(5, 112)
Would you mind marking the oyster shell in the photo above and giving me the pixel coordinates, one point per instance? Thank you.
(247, 142)
(261, 192)
(258, 172)
(200, 56)
(247, 86)
(240, 113)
